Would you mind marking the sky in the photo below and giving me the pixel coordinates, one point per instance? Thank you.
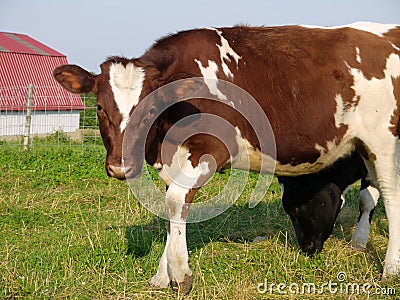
(88, 31)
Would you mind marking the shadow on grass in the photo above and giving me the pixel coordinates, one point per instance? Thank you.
(239, 224)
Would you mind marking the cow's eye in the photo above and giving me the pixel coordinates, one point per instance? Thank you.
(99, 108)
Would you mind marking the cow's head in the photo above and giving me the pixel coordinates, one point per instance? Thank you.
(118, 89)
(313, 216)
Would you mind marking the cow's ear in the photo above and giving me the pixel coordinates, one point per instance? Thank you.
(75, 79)
(169, 88)
(182, 89)
(188, 87)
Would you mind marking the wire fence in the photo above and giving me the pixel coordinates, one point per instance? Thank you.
(48, 116)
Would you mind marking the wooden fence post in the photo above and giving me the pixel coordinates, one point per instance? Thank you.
(28, 119)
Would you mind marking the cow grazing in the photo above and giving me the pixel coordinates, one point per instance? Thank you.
(326, 92)
(313, 202)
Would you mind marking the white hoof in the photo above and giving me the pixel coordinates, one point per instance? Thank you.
(159, 282)
(390, 270)
(358, 243)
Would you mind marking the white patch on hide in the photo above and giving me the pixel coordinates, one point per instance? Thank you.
(369, 119)
(375, 28)
(225, 49)
(210, 77)
(358, 57)
(252, 159)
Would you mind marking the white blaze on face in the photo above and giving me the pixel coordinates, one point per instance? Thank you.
(126, 84)
(225, 49)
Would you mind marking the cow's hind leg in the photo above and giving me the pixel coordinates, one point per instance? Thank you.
(383, 167)
(368, 199)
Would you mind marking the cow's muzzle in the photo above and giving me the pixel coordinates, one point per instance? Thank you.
(312, 247)
(117, 172)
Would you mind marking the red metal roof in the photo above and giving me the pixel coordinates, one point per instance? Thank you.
(21, 43)
(24, 61)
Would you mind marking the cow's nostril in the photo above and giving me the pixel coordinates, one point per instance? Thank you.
(110, 172)
(126, 170)
(131, 173)
(309, 248)
(116, 172)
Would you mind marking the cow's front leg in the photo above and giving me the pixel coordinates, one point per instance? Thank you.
(184, 177)
(162, 279)
(174, 263)
(177, 204)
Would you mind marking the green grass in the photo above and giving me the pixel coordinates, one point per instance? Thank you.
(69, 232)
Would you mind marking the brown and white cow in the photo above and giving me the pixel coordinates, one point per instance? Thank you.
(325, 91)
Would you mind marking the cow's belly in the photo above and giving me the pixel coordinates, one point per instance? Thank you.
(252, 159)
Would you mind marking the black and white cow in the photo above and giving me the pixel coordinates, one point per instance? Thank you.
(325, 91)
(313, 202)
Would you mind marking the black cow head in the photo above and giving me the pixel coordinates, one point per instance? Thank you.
(313, 214)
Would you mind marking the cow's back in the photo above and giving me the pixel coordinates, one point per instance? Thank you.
(303, 78)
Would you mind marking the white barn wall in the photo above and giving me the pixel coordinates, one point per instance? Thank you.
(43, 122)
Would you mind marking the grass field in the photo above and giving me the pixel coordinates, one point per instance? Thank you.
(69, 232)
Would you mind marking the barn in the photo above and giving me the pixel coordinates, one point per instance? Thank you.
(26, 68)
